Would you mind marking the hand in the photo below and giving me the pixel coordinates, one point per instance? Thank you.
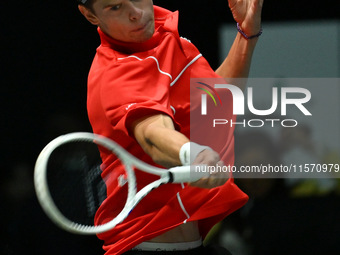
(248, 14)
(210, 158)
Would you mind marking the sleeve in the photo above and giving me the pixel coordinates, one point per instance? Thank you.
(134, 88)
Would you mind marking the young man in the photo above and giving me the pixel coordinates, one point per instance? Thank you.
(139, 96)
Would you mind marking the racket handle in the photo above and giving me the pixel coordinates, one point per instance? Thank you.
(188, 173)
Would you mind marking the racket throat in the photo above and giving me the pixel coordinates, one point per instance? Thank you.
(171, 177)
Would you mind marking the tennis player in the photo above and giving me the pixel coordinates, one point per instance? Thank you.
(139, 96)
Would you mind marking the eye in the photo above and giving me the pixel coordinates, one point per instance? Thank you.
(116, 7)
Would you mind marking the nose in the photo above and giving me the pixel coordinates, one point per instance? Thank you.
(135, 13)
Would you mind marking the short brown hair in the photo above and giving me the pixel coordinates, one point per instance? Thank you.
(86, 3)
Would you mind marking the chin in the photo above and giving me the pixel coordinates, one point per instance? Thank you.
(144, 38)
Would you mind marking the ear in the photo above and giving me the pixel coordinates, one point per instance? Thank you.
(89, 15)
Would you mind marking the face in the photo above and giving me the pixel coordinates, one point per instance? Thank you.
(123, 20)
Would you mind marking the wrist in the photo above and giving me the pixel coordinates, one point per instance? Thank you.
(246, 36)
(189, 152)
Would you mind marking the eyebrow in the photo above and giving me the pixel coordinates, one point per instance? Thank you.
(110, 3)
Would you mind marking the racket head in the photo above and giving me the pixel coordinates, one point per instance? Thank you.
(67, 179)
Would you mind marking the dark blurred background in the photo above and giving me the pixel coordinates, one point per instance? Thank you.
(47, 49)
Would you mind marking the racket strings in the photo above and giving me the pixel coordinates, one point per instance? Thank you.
(74, 177)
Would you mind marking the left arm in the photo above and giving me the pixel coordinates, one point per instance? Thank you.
(248, 14)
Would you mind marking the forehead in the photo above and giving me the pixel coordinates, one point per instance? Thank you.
(107, 2)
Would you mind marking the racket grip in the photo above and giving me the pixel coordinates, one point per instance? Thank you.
(188, 173)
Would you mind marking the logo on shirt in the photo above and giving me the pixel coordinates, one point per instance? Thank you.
(129, 106)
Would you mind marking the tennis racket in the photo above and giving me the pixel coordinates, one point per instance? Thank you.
(70, 186)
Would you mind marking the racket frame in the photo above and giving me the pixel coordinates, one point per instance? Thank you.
(176, 175)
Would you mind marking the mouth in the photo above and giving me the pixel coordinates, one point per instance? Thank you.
(141, 27)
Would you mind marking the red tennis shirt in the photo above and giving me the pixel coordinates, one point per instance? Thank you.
(128, 81)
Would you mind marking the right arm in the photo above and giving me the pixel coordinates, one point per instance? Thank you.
(157, 136)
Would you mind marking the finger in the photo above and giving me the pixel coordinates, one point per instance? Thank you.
(260, 3)
(208, 183)
(257, 5)
(232, 3)
(216, 182)
(206, 157)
